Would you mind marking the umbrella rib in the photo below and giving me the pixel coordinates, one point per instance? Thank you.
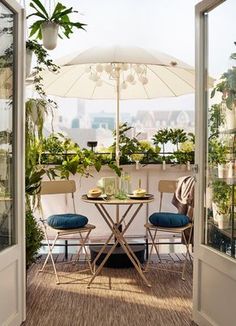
(75, 81)
(58, 77)
(180, 77)
(162, 80)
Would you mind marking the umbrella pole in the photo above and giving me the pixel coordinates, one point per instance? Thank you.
(118, 133)
(117, 116)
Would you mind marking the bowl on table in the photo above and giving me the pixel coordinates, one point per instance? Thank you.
(139, 192)
(94, 193)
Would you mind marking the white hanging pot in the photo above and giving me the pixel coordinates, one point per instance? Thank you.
(49, 34)
(230, 118)
(29, 54)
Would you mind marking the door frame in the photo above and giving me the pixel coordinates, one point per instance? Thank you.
(16, 252)
(204, 256)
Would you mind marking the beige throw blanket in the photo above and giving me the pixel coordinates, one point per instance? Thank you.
(183, 198)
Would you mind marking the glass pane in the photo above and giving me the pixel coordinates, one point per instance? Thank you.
(220, 173)
(7, 223)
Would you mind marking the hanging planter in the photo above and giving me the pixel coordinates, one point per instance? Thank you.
(29, 55)
(49, 35)
(47, 26)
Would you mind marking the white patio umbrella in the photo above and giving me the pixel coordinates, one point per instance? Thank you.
(120, 73)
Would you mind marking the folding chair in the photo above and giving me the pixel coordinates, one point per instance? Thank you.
(180, 225)
(65, 224)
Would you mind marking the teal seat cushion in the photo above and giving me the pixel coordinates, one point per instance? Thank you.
(67, 221)
(168, 220)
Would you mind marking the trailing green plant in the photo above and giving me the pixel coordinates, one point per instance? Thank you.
(60, 16)
(58, 149)
(43, 62)
(216, 119)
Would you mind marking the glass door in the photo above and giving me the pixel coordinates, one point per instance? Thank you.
(7, 220)
(215, 234)
(12, 266)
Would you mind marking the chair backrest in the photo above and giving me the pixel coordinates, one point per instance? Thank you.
(166, 186)
(57, 187)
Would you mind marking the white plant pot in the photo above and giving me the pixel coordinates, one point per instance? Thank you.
(163, 165)
(49, 34)
(230, 118)
(222, 220)
(225, 170)
(28, 58)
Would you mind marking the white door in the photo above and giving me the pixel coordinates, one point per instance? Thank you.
(12, 266)
(214, 297)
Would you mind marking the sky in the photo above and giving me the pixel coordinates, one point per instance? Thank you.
(164, 25)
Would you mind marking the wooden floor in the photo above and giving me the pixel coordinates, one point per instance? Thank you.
(117, 297)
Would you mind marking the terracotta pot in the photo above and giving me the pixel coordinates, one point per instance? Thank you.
(49, 34)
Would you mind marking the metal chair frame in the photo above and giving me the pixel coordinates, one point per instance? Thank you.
(64, 187)
(169, 186)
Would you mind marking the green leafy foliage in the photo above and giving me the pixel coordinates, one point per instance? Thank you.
(60, 16)
(34, 237)
(161, 138)
(217, 152)
(221, 195)
(227, 86)
(177, 136)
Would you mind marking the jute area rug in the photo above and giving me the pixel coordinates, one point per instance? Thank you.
(118, 297)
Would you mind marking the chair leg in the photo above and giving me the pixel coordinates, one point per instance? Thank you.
(187, 244)
(50, 249)
(83, 245)
(153, 238)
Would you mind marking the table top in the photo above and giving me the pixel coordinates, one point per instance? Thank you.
(115, 201)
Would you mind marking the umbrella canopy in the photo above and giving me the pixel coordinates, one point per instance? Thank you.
(88, 74)
(120, 73)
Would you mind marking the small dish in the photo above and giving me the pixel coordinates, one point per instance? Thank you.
(147, 196)
(101, 197)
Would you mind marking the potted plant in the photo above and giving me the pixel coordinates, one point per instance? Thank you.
(162, 137)
(221, 202)
(227, 86)
(217, 157)
(47, 26)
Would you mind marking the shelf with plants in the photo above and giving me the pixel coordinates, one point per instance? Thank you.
(221, 176)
